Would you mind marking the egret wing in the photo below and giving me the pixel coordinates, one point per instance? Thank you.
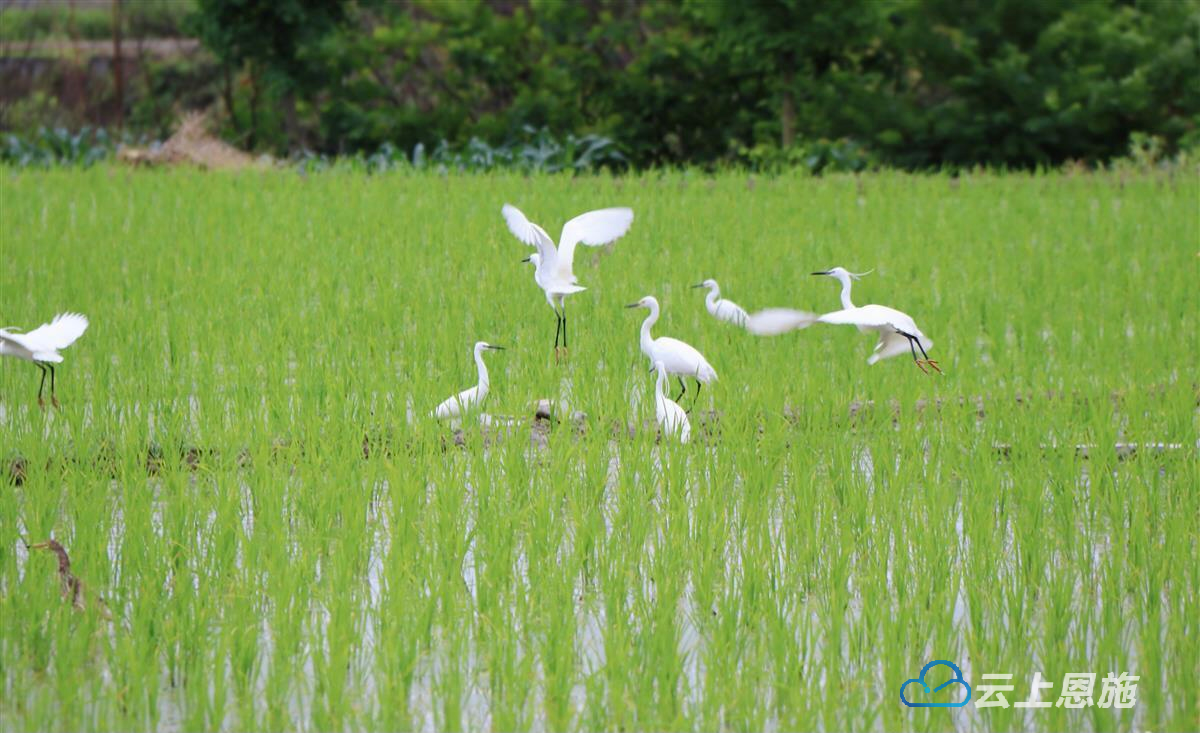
(871, 316)
(57, 334)
(594, 229)
(533, 235)
(774, 321)
(731, 312)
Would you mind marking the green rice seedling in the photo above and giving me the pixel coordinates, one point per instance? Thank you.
(244, 468)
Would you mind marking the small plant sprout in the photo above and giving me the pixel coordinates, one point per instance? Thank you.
(721, 308)
(553, 268)
(670, 416)
(680, 359)
(42, 344)
(453, 408)
(898, 332)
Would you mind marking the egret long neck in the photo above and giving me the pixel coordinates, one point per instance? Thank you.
(846, 302)
(483, 373)
(646, 341)
(660, 384)
(711, 300)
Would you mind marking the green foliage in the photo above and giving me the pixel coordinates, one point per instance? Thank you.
(57, 147)
(1025, 82)
(61, 21)
(815, 156)
(910, 83)
(919, 82)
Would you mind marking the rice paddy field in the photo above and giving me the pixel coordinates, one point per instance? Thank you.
(272, 533)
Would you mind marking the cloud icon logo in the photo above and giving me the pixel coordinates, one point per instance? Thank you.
(922, 691)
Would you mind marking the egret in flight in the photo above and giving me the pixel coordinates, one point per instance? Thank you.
(722, 309)
(670, 416)
(678, 358)
(452, 408)
(553, 268)
(42, 344)
(897, 330)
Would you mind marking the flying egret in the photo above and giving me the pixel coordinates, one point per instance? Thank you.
(678, 358)
(897, 330)
(42, 344)
(721, 308)
(670, 416)
(452, 408)
(553, 268)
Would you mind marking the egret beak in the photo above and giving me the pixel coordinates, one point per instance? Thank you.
(697, 286)
(38, 546)
(654, 369)
(527, 258)
(821, 273)
(495, 348)
(633, 305)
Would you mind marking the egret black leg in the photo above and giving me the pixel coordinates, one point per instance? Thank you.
(699, 386)
(922, 348)
(53, 394)
(914, 343)
(42, 367)
(682, 389)
(564, 321)
(557, 328)
(910, 345)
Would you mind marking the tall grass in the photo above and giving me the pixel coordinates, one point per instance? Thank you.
(243, 467)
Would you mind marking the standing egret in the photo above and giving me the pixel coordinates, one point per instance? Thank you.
(670, 416)
(897, 330)
(41, 346)
(722, 309)
(452, 408)
(553, 268)
(678, 358)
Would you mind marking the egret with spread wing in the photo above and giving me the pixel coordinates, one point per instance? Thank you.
(897, 330)
(42, 344)
(554, 267)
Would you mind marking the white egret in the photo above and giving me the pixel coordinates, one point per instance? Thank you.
(721, 308)
(554, 268)
(678, 358)
(453, 408)
(42, 344)
(670, 416)
(897, 330)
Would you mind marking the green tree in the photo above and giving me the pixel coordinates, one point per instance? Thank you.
(278, 43)
(1035, 82)
(795, 46)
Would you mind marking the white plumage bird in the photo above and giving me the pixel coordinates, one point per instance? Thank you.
(721, 308)
(897, 330)
(453, 408)
(678, 358)
(670, 416)
(42, 344)
(554, 267)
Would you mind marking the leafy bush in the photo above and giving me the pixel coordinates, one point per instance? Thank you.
(814, 156)
(57, 146)
(535, 151)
